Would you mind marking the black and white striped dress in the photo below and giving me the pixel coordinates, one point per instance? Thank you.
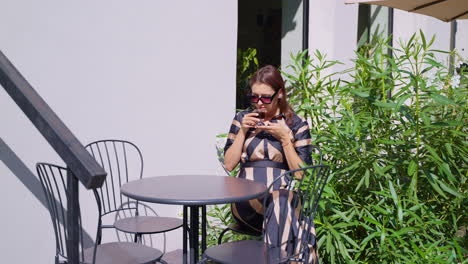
(263, 160)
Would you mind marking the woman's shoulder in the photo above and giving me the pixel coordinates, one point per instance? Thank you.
(298, 120)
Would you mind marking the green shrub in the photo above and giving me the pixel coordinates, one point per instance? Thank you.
(393, 130)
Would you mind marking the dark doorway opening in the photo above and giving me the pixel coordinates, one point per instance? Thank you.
(259, 27)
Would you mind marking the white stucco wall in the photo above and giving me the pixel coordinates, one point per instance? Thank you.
(158, 73)
(406, 24)
(333, 30)
(461, 40)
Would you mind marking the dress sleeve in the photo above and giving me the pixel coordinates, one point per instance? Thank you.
(302, 140)
(234, 130)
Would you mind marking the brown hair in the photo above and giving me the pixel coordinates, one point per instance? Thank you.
(269, 75)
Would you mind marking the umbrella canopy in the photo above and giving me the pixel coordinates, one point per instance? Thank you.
(445, 10)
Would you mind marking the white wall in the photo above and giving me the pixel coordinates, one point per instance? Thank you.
(333, 30)
(461, 39)
(158, 73)
(406, 24)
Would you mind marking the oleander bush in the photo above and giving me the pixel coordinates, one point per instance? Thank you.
(393, 130)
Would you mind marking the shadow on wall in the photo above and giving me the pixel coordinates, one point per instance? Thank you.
(290, 24)
(30, 181)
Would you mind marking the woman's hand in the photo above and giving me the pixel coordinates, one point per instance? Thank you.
(249, 121)
(279, 130)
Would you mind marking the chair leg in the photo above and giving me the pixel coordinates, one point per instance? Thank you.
(220, 239)
(99, 236)
(138, 238)
(203, 259)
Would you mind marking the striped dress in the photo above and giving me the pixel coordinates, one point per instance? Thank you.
(263, 160)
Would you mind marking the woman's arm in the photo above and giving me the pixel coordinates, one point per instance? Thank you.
(284, 134)
(233, 153)
(294, 161)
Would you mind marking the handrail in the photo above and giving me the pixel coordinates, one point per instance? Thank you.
(77, 158)
(81, 165)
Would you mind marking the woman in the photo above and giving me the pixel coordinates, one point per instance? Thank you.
(266, 148)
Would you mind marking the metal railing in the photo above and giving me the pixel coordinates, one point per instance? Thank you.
(82, 165)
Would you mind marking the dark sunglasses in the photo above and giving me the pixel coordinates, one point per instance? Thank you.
(265, 99)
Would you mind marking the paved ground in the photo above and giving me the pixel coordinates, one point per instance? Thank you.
(173, 257)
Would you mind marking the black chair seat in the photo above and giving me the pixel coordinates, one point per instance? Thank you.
(245, 251)
(243, 229)
(147, 224)
(122, 253)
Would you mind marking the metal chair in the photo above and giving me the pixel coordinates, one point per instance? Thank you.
(237, 227)
(146, 215)
(309, 191)
(54, 179)
(123, 162)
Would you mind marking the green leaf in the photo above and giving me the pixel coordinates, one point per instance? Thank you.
(446, 188)
(392, 191)
(433, 63)
(352, 167)
(329, 244)
(372, 221)
(445, 168)
(381, 210)
(404, 231)
(448, 123)
(361, 94)
(391, 142)
(341, 214)
(400, 212)
(368, 238)
(412, 168)
(386, 105)
(433, 153)
(448, 147)
(364, 179)
(442, 99)
(423, 38)
(435, 186)
(350, 240)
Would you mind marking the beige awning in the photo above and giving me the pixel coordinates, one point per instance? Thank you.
(445, 10)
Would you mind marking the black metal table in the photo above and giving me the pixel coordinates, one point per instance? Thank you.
(193, 192)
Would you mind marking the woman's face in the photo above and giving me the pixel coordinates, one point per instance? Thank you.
(263, 90)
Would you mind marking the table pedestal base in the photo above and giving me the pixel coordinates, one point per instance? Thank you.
(194, 232)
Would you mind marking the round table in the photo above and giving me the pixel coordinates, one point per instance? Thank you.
(194, 192)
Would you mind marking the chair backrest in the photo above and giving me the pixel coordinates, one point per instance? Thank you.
(53, 179)
(305, 186)
(316, 151)
(220, 155)
(123, 162)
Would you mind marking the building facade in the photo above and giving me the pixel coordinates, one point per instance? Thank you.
(159, 73)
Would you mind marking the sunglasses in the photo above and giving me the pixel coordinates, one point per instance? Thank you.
(265, 99)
